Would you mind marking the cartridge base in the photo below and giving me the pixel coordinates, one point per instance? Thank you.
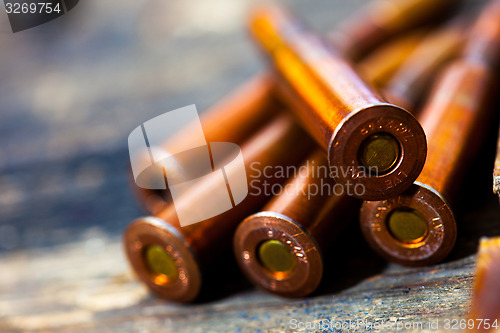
(145, 232)
(434, 245)
(260, 228)
(389, 174)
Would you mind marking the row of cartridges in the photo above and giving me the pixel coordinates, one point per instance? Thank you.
(393, 104)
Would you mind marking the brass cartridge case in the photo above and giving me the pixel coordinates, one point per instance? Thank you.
(170, 259)
(385, 19)
(418, 227)
(240, 114)
(182, 254)
(380, 65)
(249, 106)
(496, 171)
(485, 308)
(411, 80)
(370, 143)
(233, 119)
(490, 43)
(280, 249)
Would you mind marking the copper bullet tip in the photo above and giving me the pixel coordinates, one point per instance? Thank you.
(416, 228)
(161, 258)
(277, 254)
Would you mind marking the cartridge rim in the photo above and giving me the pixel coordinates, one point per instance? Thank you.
(145, 232)
(433, 247)
(349, 139)
(299, 281)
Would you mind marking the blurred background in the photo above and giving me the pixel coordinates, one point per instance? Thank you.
(71, 91)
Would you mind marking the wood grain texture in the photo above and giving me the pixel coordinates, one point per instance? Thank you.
(87, 286)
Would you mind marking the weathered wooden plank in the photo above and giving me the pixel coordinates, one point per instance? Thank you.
(87, 286)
